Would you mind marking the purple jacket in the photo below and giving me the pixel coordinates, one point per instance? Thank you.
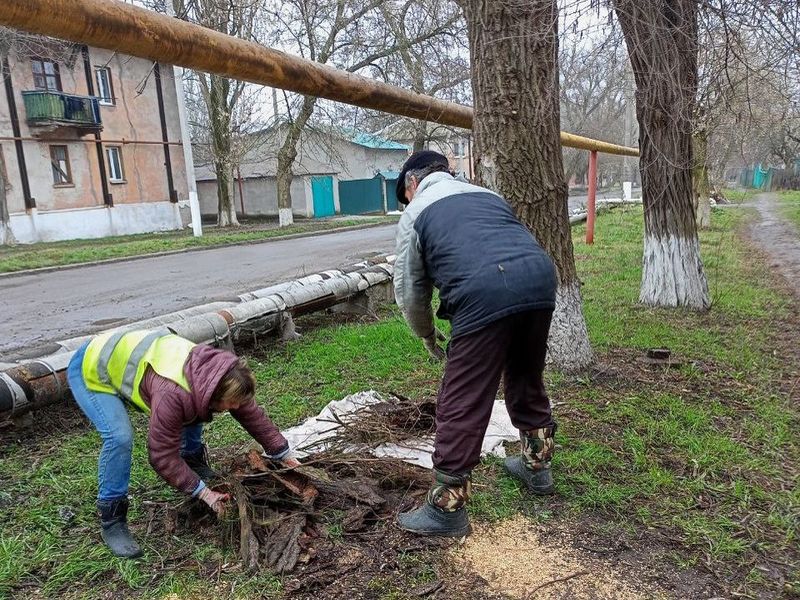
(172, 408)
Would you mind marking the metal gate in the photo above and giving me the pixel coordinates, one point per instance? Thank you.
(322, 192)
(361, 196)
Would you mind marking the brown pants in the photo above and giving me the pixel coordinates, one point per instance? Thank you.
(514, 347)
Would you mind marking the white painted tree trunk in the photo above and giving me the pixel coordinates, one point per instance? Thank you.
(285, 217)
(568, 346)
(703, 212)
(672, 273)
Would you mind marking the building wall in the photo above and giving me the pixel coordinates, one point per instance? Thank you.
(132, 123)
(260, 197)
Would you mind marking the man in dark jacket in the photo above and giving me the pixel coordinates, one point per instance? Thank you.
(497, 288)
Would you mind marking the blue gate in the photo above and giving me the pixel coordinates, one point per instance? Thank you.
(322, 192)
(361, 196)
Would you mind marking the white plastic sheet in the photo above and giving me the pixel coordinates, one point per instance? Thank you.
(314, 431)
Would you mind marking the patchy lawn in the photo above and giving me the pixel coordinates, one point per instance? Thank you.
(33, 256)
(790, 205)
(683, 479)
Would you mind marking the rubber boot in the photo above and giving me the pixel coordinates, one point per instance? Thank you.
(444, 512)
(533, 467)
(198, 462)
(115, 533)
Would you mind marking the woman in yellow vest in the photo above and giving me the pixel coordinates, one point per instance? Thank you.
(180, 385)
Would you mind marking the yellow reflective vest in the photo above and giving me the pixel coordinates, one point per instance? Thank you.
(115, 363)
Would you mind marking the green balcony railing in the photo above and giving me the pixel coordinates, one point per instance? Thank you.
(46, 108)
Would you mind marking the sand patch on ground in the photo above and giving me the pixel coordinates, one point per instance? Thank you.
(516, 557)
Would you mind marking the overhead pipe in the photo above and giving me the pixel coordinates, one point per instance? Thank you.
(136, 31)
(38, 383)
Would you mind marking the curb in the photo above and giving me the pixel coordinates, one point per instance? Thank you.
(291, 236)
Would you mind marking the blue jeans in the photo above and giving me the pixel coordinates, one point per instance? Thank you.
(109, 415)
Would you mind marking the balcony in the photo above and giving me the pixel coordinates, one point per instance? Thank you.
(55, 110)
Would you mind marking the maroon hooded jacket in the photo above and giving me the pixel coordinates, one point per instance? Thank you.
(172, 408)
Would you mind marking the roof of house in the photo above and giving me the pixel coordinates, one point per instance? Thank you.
(389, 174)
(371, 140)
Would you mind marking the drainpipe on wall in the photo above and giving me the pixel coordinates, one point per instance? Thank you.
(30, 202)
(108, 200)
(241, 191)
(173, 194)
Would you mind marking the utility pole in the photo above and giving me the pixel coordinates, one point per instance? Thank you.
(628, 166)
(186, 139)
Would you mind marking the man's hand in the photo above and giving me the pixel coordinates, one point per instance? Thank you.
(432, 346)
(217, 501)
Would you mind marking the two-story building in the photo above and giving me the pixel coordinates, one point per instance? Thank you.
(90, 144)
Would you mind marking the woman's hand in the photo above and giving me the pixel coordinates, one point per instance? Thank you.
(290, 462)
(217, 501)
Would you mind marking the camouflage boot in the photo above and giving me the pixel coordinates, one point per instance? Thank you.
(443, 513)
(533, 466)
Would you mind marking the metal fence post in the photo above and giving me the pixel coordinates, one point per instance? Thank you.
(590, 205)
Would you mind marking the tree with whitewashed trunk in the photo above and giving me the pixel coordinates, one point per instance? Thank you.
(517, 143)
(662, 43)
(221, 110)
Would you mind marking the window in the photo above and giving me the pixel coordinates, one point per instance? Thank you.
(59, 161)
(115, 170)
(45, 75)
(105, 90)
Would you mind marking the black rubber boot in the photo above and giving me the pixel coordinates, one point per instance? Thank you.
(538, 482)
(198, 462)
(113, 520)
(533, 466)
(429, 520)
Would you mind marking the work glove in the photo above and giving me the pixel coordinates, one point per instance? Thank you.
(432, 345)
(217, 501)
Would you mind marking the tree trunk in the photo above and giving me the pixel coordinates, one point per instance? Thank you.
(220, 119)
(662, 44)
(700, 180)
(517, 144)
(286, 156)
(420, 136)
(6, 235)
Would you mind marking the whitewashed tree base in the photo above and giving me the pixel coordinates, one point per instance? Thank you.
(704, 213)
(568, 347)
(285, 217)
(672, 274)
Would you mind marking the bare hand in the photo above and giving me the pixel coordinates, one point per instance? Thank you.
(432, 346)
(217, 501)
(290, 462)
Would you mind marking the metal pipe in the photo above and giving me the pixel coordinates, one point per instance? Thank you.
(108, 199)
(139, 32)
(30, 202)
(591, 208)
(39, 383)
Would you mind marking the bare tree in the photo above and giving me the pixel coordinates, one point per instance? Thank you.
(593, 71)
(225, 116)
(353, 35)
(517, 144)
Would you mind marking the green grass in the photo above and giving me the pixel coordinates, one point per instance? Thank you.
(33, 256)
(790, 205)
(689, 452)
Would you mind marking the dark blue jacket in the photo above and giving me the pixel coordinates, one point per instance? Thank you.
(466, 241)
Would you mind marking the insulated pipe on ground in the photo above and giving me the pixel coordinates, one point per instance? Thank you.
(38, 383)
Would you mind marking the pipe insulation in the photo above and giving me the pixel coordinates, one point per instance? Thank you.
(35, 384)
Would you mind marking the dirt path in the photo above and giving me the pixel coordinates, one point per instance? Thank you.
(779, 239)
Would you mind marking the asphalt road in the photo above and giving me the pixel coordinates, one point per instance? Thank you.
(38, 309)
